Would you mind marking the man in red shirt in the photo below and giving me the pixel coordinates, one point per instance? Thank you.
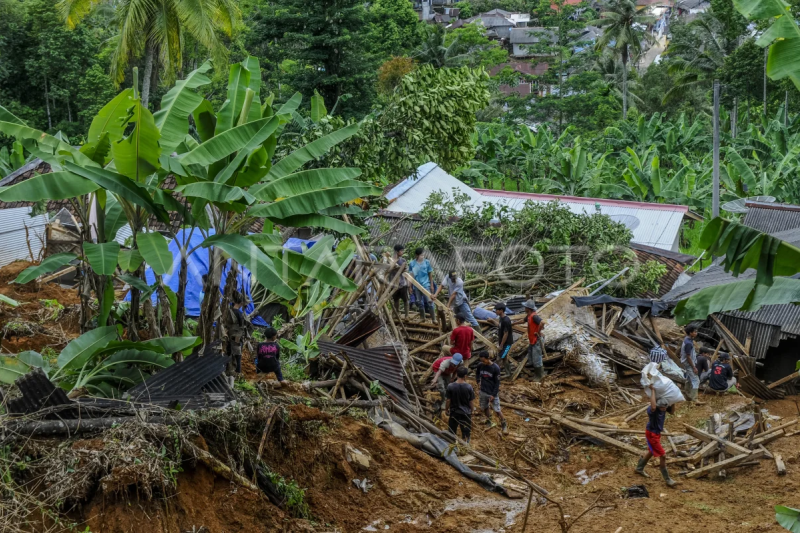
(461, 339)
(535, 326)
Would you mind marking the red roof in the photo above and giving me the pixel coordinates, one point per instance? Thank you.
(581, 200)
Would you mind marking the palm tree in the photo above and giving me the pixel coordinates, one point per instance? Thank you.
(157, 27)
(435, 50)
(695, 61)
(608, 66)
(621, 33)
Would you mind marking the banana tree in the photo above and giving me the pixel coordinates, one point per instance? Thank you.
(224, 172)
(98, 362)
(775, 262)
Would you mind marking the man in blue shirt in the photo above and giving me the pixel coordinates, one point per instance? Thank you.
(422, 271)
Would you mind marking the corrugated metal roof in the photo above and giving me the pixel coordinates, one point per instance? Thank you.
(772, 323)
(375, 363)
(15, 241)
(656, 225)
(38, 392)
(186, 379)
(772, 218)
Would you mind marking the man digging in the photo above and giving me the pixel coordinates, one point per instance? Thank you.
(444, 370)
(488, 378)
(656, 415)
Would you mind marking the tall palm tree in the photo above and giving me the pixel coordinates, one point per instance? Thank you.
(621, 33)
(609, 67)
(157, 28)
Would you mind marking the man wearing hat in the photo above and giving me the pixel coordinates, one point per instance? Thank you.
(721, 377)
(535, 326)
(656, 416)
(505, 336)
(444, 369)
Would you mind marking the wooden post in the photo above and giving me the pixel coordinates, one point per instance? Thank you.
(779, 465)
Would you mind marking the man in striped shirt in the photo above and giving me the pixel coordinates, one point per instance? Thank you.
(658, 355)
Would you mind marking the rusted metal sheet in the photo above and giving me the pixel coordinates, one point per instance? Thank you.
(376, 363)
(367, 324)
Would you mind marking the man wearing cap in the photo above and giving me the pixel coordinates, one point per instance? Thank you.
(444, 369)
(535, 326)
(656, 416)
(721, 377)
(505, 336)
(458, 301)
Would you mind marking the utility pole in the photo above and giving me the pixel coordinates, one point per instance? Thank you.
(715, 197)
(786, 111)
(766, 55)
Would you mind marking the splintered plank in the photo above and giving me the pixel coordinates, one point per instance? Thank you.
(727, 463)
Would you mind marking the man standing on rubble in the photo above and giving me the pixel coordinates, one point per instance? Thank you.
(535, 326)
(422, 271)
(460, 397)
(401, 293)
(689, 363)
(505, 336)
(656, 416)
(458, 301)
(444, 369)
(488, 379)
(461, 339)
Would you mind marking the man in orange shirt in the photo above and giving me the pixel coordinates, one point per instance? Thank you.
(535, 326)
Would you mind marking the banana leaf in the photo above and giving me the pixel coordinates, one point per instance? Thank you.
(53, 186)
(49, 264)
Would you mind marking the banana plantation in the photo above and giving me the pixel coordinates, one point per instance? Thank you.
(399, 265)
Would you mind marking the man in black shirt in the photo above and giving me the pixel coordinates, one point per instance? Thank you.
(505, 336)
(721, 377)
(459, 405)
(703, 367)
(488, 378)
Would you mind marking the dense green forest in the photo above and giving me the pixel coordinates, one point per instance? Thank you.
(422, 92)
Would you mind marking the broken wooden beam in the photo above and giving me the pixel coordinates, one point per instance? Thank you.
(428, 344)
(577, 427)
(716, 467)
(779, 465)
(730, 447)
(790, 377)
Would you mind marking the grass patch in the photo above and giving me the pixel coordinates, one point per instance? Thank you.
(294, 372)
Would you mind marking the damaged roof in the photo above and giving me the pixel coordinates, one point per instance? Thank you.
(772, 323)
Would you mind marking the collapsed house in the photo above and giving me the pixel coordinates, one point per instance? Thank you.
(770, 335)
(22, 232)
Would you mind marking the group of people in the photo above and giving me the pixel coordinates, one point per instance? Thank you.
(450, 370)
(697, 368)
(268, 353)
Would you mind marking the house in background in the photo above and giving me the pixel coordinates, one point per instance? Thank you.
(525, 42)
(499, 22)
(22, 236)
(524, 69)
(654, 225)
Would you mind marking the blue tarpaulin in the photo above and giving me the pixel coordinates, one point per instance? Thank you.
(296, 245)
(197, 267)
